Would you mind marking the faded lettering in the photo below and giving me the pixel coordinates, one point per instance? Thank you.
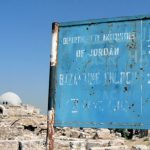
(104, 52)
(72, 40)
(80, 53)
(115, 78)
(119, 36)
(98, 38)
(75, 79)
(95, 78)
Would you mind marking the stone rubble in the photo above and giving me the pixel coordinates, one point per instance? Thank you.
(140, 147)
(93, 139)
(24, 128)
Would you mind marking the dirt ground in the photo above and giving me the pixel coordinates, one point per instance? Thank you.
(138, 141)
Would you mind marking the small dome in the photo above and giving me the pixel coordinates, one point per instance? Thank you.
(10, 98)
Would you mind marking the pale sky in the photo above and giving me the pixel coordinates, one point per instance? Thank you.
(25, 38)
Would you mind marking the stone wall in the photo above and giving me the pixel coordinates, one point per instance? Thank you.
(21, 110)
(24, 128)
(22, 145)
(8, 145)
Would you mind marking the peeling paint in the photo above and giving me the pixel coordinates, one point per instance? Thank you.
(102, 74)
(53, 55)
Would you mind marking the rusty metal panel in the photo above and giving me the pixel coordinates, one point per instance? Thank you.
(101, 73)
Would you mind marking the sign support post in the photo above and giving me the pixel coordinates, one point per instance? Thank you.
(52, 80)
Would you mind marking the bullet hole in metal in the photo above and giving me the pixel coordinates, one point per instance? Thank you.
(111, 123)
(76, 102)
(131, 65)
(132, 45)
(141, 69)
(86, 105)
(146, 101)
(132, 105)
(92, 93)
(125, 89)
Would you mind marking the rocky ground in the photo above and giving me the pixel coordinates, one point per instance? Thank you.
(28, 132)
(97, 139)
(23, 132)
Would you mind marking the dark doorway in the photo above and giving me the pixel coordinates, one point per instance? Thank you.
(1, 111)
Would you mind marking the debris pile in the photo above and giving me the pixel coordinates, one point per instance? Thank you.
(24, 128)
(98, 139)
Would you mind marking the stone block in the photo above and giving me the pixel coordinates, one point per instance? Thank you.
(117, 142)
(78, 145)
(32, 145)
(75, 133)
(84, 135)
(110, 148)
(89, 130)
(139, 147)
(9, 145)
(103, 134)
(61, 145)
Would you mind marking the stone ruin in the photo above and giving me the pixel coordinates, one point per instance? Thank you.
(22, 127)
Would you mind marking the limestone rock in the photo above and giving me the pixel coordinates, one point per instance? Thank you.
(84, 135)
(75, 133)
(97, 143)
(61, 145)
(24, 128)
(32, 144)
(110, 148)
(116, 142)
(140, 147)
(78, 145)
(103, 133)
(8, 145)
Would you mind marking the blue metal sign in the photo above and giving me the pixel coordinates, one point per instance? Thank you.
(100, 73)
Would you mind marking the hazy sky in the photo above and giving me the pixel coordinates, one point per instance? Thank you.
(25, 38)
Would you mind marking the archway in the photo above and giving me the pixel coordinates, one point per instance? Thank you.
(1, 111)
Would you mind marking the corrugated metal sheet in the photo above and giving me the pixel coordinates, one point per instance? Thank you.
(100, 73)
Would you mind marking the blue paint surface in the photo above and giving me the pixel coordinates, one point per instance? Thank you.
(103, 74)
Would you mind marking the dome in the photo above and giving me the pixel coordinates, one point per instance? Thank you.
(10, 98)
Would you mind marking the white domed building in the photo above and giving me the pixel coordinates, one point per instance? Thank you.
(11, 104)
(10, 98)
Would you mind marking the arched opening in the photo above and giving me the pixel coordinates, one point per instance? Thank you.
(1, 111)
